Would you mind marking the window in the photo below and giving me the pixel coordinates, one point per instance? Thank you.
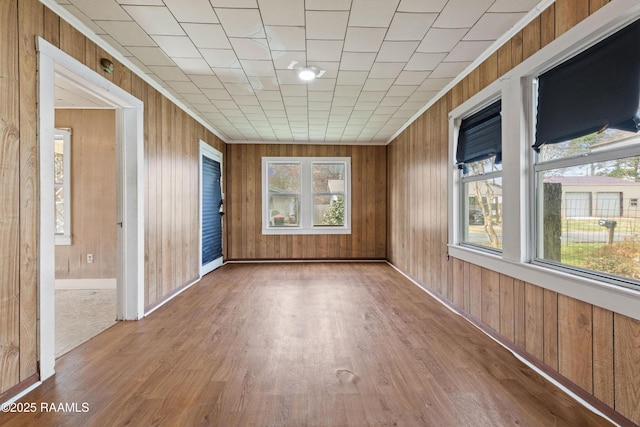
(587, 167)
(479, 157)
(306, 195)
(62, 186)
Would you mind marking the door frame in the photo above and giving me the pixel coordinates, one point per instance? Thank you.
(208, 151)
(129, 199)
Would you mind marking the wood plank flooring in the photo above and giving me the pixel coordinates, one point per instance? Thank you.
(301, 344)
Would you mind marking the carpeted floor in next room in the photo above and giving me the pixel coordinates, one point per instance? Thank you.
(81, 314)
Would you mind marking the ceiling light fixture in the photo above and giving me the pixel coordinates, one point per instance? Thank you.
(306, 73)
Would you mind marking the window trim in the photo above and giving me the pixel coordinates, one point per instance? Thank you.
(306, 197)
(516, 89)
(64, 239)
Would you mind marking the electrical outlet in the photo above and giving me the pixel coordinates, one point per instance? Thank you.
(89, 258)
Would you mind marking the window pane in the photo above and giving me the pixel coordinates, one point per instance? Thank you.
(284, 210)
(328, 178)
(59, 202)
(284, 177)
(328, 209)
(589, 216)
(483, 212)
(482, 167)
(592, 143)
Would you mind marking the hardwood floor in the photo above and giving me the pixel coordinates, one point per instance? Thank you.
(302, 344)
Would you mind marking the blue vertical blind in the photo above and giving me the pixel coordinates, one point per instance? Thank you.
(211, 219)
(597, 89)
(480, 136)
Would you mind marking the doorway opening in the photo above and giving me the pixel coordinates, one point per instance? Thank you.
(53, 64)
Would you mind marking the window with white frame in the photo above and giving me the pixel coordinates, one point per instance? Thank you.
(62, 186)
(479, 158)
(587, 162)
(306, 195)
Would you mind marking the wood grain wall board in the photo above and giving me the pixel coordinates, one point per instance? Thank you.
(488, 70)
(491, 298)
(72, 41)
(594, 5)
(507, 307)
(603, 373)
(475, 291)
(575, 341)
(31, 23)
(10, 304)
(93, 195)
(520, 304)
(551, 328)
(534, 323)
(569, 13)
(51, 27)
(457, 277)
(626, 362)
(517, 48)
(531, 38)
(548, 25)
(504, 58)
(244, 206)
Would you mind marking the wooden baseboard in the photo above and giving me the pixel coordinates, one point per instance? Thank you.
(19, 388)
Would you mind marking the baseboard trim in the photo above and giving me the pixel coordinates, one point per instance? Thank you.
(20, 389)
(153, 307)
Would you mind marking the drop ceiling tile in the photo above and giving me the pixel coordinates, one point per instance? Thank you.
(422, 96)
(155, 20)
(330, 68)
(239, 88)
(467, 51)
(326, 25)
(193, 66)
(282, 12)
(372, 13)
(207, 107)
(279, 121)
(434, 6)
(253, 68)
(327, 4)
(492, 25)
(184, 87)
(386, 70)
(286, 38)
(282, 59)
(369, 95)
(231, 75)
(207, 36)
(169, 73)
(448, 69)
(142, 2)
(316, 96)
(206, 82)
(348, 90)
(393, 101)
(195, 98)
(356, 61)
(386, 110)
(251, 4)
(107, 10)
(192, 10)
(441, 39)
(177, 46)
(287, 77)
(360, 39)
(323, 50)
(264, 83)
(241, 22)
(126, 33)
(217, 94)
(377, 84)
(412, 106)
(251, 48)
(320, 106)
(269, 95)
(246, 100)
(227, 107)
(220, 58)
(322, 84)
(86, 20)
(392, 51)
(294, 101)
(412, 77)
(424, 61)
(272, 105)
(397, 90)
(135, 61)
(352, 77)
(410, 26)
(431, 84)
(513, 5)
(294, 90)
(461, 13)
(150, 55)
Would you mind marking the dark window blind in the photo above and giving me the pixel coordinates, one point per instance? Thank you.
(480, 136)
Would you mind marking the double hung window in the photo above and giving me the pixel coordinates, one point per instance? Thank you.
(306, 195)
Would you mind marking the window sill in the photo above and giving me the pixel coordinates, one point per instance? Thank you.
(62, 240)
(601, 294)
(305, 231)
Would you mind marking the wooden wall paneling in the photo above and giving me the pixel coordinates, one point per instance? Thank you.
(575, 341)
(569, 13)
(626, 362)
(534, 320)
(457, 279)
(234, 201)
(504, 58)
(380, 181)
(51, 27)
(475, 294)
(91, 58)
(516, 49)
(443, 166)
(548, 25)
(457, 95)
(466, 272)
(531, 38)
(507, 307)
(488, 70)
(473, 80)
(594, 5)
(520, 325)
(369, 203)
(153, 143)
(10, 304)
(551, 328)
(176, 191)
(31, 23)
(166, 198)
(189, 227)
(603, 373)
(491, 298)
(123, 77)
(72, 41)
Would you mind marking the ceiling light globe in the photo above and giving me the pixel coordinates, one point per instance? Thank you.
(306, 74)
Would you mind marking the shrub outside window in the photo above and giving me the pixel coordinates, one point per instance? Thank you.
(306, 195)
